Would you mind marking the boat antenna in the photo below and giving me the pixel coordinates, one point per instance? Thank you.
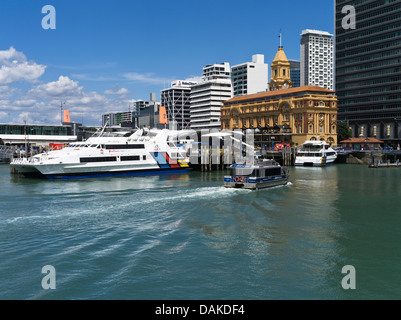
(104, 127)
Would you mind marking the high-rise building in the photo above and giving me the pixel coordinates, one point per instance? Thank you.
(295, 71)
(120, 119)
(148, 112)
(317, 54)
(368, 69)
(250, 77)
(176, 99)
(208, 96)
(140, 114)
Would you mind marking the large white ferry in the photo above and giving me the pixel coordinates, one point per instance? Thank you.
(144, 151)
(315, 154)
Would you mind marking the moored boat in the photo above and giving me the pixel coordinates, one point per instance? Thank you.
(142, 152)
(315, 154)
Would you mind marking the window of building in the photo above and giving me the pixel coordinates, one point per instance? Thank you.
(321, 129)
(310, 128)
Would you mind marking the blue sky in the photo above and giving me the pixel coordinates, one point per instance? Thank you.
(104, 55)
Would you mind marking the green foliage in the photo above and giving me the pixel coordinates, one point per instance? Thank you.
(343, 131)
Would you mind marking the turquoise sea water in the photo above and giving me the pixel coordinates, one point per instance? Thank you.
(187, 237)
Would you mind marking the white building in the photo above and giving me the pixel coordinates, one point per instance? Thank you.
(176, 99)
(317, 59)
(250, 77)
(208, 96)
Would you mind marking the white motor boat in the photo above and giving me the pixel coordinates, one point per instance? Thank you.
(142, 152)
(264, 173)
(315, 154)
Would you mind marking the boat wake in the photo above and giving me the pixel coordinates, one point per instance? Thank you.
(141, 201)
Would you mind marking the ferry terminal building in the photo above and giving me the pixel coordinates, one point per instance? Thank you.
(284, 114)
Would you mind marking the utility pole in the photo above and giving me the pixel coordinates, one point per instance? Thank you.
(26, 149)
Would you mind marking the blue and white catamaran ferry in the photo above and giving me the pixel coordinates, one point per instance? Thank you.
(263, 173)
(142, 152)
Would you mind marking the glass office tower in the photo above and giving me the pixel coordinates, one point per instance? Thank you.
(368, 68)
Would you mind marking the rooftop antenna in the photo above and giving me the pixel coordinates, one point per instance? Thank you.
(62, 115)
(129, 116)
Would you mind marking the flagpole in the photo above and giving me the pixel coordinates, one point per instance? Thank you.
(280, 36)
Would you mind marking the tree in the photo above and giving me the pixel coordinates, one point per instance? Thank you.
(343, 131)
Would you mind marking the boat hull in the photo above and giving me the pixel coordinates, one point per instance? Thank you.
(36, 171)
(313, 162)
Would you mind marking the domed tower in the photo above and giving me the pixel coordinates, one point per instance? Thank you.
(280, 72)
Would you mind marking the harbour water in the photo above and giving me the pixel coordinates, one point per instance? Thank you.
(187, 237)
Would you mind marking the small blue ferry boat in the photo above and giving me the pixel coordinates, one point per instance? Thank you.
(261, 174)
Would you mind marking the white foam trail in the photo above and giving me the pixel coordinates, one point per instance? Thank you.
(208, 193)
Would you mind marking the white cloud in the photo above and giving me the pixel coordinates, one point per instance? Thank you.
(40, 102)
(121, 91)
(63, 87)
(146, 77)
(15, 67)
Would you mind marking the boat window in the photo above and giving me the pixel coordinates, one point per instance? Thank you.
(258, 173)
(125, 146)
(130, 158)
(94, 145)
(310, 154)
(309, 147)
(273, 172)
(98, 159)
